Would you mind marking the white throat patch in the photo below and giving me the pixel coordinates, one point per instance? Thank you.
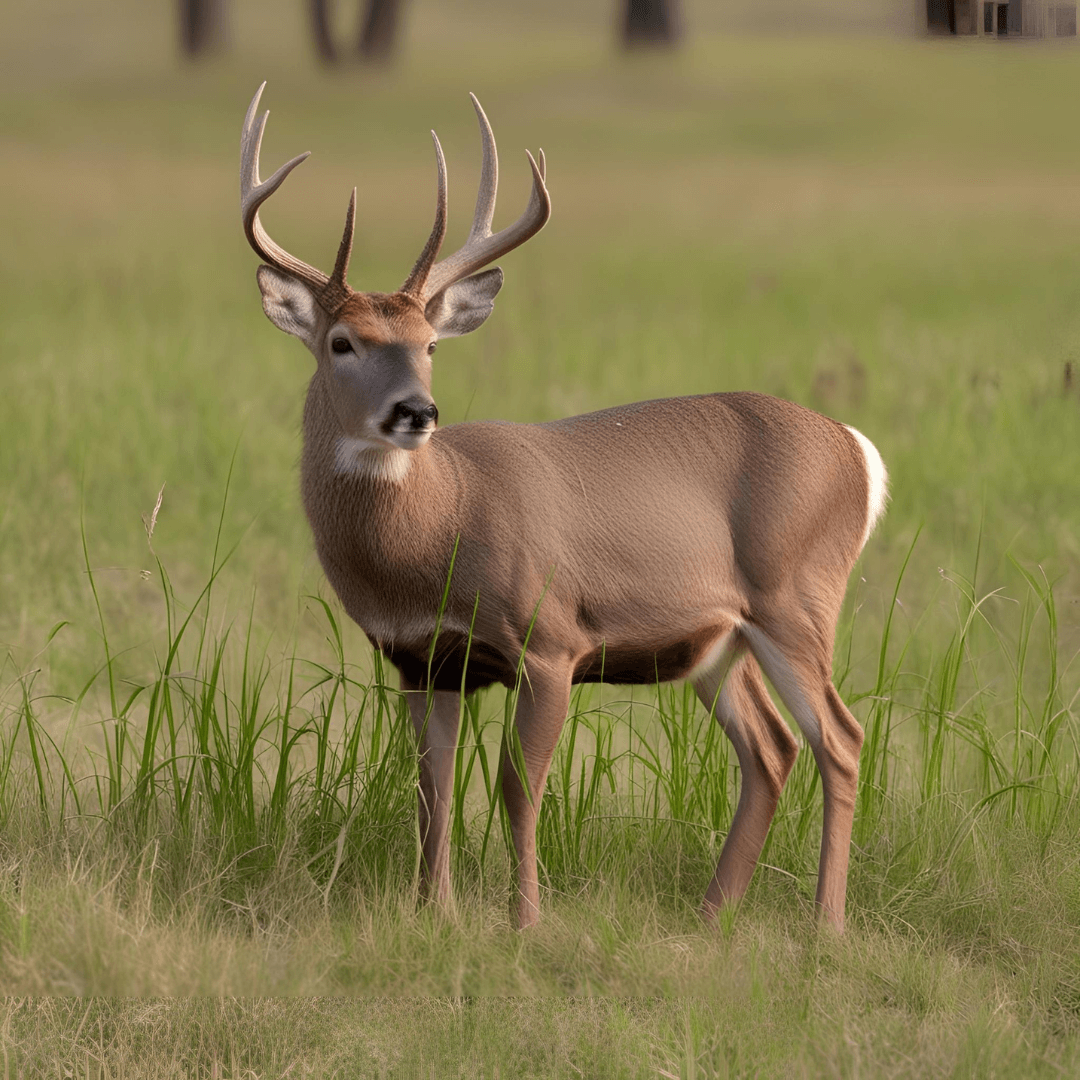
(358, 457)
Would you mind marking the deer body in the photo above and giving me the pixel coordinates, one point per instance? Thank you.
(708, 537)
(663, 559)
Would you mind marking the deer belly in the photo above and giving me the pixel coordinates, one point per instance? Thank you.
(452, 663)
(637, 664)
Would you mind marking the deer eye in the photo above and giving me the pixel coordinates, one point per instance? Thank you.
(341, 345)
(431, 348)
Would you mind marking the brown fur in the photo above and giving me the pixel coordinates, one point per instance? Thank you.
(709, 537)
(631, 540)
(385, 318)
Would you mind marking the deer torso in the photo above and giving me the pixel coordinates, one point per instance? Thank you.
(629, 538)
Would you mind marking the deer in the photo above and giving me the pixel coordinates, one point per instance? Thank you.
(707, 538)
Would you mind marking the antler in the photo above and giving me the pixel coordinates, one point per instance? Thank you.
(429, 278)
(329, 291)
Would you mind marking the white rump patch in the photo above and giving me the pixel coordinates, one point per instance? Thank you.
(878, 481)
(358, 457)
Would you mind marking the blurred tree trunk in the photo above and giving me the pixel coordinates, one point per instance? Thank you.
(378, 34)
(202, 26)
(378, 30)
(941, 16)
(651, 22)
(319, 10)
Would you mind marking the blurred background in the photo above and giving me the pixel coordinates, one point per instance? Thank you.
(869, 208)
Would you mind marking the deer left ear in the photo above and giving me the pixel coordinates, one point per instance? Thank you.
(289, 304)
(460, 308)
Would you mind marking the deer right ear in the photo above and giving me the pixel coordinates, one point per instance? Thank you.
(289, 305)
(462, 306)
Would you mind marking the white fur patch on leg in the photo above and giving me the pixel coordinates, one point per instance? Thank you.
(726, 713)
(877, 479)
(709, 673)
(783, 677)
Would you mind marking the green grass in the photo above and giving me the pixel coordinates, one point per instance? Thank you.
(206, 778)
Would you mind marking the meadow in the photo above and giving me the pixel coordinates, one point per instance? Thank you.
(208, 857)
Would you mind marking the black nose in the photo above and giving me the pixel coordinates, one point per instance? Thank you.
(417, 413)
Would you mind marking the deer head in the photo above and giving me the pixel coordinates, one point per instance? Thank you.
(375, 348)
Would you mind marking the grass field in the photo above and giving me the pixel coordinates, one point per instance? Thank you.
(206, 784)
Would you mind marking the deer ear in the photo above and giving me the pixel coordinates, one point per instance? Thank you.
(289, 304)
(460, 308)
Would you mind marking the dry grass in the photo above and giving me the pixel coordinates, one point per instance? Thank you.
(823, 219)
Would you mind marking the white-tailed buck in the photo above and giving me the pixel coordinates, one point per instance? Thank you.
(707, 538)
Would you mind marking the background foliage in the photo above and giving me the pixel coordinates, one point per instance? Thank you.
(206, 784)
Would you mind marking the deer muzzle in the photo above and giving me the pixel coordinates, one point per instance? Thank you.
(414, 416)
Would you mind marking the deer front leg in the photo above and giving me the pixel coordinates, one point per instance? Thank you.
(541, 713)
(435, 716)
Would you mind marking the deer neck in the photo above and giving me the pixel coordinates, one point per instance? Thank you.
(381, 527)
(334, 461)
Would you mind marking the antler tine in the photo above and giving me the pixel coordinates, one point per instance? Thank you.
(253, 193)
(489, 179)
(337, 288)
(417, 279)
(482, 247)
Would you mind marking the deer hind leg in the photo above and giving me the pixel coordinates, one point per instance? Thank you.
(541, 712)
(766, 751)
(799, 666)
(435, 717)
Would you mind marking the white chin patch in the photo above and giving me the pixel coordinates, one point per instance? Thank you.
(360, 457)
(410, 440)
